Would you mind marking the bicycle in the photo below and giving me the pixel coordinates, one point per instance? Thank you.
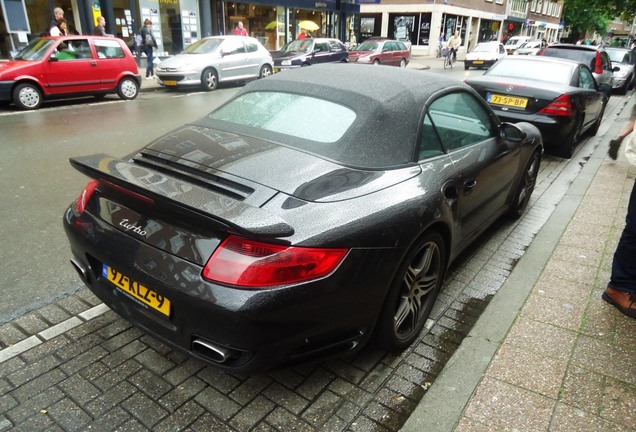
(449, 58)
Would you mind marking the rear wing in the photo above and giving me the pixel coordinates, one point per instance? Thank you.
(243, 218)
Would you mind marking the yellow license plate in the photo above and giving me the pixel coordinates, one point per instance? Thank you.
(170, 82)
(276, 70)
(478, 62)
(516, 102)
(137, 291)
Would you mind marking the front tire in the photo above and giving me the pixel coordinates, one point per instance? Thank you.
(128, 89)
(27, 96)
(413, 293)
(526, 186)
(209, 80)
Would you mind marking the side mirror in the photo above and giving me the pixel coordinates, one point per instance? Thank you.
(615, 69)
(53, 58)
(511, 132)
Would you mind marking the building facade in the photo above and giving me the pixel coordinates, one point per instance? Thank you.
(423, 22)
(178, 23)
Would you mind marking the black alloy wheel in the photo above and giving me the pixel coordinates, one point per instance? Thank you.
(526, 186)
(413, 293)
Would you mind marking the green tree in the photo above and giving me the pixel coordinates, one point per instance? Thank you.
(584, 16)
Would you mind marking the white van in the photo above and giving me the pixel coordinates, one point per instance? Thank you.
(513, 43)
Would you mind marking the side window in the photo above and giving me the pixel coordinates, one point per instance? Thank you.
(607, 64)
(501, 49)
(73, 50)
(232, 46)
(586, 80)
(430, 144)
(323, 47)
(460, 120)
(250, 46)
(108, 49)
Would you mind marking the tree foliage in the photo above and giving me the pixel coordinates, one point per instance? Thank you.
(584, 16)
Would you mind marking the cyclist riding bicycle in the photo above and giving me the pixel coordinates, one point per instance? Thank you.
(453, 44)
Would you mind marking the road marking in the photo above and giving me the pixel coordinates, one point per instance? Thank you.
(51, 332)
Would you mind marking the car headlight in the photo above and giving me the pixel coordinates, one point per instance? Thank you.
(286, 63)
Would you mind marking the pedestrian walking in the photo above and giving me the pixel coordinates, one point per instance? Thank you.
(148, 44)
(240, 30)
(621, 289)
(100, 29)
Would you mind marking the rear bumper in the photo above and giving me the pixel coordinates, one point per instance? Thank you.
(260, 329)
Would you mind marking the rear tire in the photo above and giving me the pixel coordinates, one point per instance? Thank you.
(413, 292)
(566, 150)
(128, 89)
(209, 79)
(597, 123)
(376, 62)
(403, 63)
(27, 96)
(266, 70)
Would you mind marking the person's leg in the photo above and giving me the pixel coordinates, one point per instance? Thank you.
(621, 290)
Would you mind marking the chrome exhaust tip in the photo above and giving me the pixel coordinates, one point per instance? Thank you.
(81, 271)
(215, 353)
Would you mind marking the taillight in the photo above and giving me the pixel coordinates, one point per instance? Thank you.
(86, 194)
(598, 65)
(250, 264)
(561, 106)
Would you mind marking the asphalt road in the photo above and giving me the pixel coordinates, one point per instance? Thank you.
(38, 183)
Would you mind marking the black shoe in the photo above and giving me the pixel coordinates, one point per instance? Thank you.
(614, 145)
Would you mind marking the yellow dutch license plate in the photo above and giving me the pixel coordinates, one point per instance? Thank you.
(478, 62)
(276, 70)
(511, 101)
(137, 291)
(170, 82)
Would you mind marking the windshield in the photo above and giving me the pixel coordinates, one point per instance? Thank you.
(35, 50)
(532, 70)
(299, 116)
(203, 46)
(367, 46)
(512, 41)
(617, 56)
(300, 46)
(485, 48)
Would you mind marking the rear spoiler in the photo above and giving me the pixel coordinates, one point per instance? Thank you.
(244, 219)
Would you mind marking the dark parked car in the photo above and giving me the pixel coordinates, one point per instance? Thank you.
(596, 58)
(381, 52)
(558, 96)
(316, 208)
(68, 66)
(623, 61)
(305, 52)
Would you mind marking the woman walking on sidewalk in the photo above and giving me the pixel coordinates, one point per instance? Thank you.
(621, 290)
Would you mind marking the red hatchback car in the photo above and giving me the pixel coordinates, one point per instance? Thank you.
(381, 51)
(66, 66)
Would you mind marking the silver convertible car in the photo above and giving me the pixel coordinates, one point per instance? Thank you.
(316, 209)
(216, 59)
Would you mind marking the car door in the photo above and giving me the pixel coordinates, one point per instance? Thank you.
(592, 98)
(338, 51)
(111, 61)
(72, 68)
(322, 53)
(254, 57)
(484, 164)
(234, 60)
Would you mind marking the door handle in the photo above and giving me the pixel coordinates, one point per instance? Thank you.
(93, 63)
(469, 185)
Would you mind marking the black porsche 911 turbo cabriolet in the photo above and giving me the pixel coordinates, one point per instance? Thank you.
(313, 210)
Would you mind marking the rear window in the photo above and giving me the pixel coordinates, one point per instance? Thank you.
(298, 116)
(582, 56)
(532, 70)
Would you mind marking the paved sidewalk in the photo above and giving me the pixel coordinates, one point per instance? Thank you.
(548, 354)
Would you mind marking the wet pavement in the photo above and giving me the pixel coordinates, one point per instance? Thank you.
(75, 365)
